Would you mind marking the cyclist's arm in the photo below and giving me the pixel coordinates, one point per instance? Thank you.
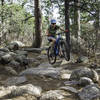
(63, 29)
(47, 33)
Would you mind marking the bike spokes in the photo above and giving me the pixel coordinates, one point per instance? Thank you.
(65, 51)
(60, 52)
(51, 55)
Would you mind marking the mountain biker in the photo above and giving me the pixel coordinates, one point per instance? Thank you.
(51, 31)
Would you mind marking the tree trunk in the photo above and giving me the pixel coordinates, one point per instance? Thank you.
(37, 39)
(2, 3)
(2, 20)
(67, 23)
(77, 19)
(77, 23)
(97, 26)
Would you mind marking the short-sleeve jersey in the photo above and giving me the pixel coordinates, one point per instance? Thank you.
(52, 30)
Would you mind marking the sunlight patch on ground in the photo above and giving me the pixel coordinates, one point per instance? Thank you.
(65, 62)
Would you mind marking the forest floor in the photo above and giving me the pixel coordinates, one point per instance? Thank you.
(46, 83)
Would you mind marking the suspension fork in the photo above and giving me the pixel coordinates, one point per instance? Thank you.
(56, 50)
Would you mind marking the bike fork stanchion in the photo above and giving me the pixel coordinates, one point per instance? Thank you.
(56, 51)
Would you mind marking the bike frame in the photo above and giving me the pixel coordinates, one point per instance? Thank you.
(56, 50)
(60, 49)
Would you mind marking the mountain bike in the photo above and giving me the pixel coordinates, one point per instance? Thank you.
(60, 49)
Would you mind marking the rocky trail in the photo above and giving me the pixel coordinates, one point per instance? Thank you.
(26, 75)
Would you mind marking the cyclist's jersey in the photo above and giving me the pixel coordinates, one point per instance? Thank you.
(52, 31)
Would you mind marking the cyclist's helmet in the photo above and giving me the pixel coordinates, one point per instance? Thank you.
(53, 21)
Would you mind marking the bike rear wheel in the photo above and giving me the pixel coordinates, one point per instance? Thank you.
(51, 55)
(65, 50)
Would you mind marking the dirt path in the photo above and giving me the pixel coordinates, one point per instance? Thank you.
(46, 83)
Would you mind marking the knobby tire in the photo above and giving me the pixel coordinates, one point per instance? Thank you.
(65, 50)
(51, 55)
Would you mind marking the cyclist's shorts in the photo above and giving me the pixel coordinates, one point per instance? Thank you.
(50, 38)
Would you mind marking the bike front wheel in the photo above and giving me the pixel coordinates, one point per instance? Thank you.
(51, 55)
(65, 50)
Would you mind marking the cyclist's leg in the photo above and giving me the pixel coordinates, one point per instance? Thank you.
(51, 46)
(52, 41)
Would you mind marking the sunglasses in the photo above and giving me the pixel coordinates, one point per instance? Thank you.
(53, 23)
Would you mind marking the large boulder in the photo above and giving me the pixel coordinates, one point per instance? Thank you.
(2, 53)
(15, 80)
(35, 50)
(5, 91)
(21, 59)
(20, 44)
(42, 71)
(84, 72)
(5, 59)
(14, 64)
(90, 92)
(20, 52)
(10, 70)
(4, 49)
(52, 95)
(84, 81)
(14, 91)
(27, 89)
(69, 89)
(13, 46)
(13, 54)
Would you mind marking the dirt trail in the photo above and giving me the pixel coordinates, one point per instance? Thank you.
(46, 83)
